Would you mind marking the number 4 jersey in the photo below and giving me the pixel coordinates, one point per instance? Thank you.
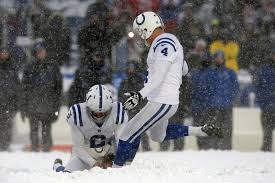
(91, 141)
(165, 51)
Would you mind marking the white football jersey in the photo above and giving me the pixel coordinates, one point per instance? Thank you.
(96, 140)
(166, 48)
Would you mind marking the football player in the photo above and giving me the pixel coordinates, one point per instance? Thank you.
(166, 66)
(95, 125)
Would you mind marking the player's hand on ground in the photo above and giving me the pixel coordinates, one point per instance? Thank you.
(212, 130)
(133, 100)
(104, 163)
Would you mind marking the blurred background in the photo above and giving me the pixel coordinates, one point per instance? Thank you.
(53, 51)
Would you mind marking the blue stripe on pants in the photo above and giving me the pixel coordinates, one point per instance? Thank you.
(118, 113)
(167, 110)
(147, 122)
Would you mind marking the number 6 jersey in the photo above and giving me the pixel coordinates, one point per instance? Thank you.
(91, 141)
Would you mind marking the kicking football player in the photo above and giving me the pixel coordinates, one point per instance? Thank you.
(94, 126)
(166, 65)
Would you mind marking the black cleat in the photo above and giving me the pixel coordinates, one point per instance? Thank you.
(58, 161)
(212, 130)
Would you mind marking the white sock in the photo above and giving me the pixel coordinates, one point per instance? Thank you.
(196, 131)
(55, 166)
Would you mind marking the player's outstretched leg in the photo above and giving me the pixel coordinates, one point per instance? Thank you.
(175, 131)
(58, 165)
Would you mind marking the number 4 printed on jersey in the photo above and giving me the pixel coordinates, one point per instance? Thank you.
(165, 51)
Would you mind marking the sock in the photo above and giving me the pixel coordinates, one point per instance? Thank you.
(122, 153)
(58, 167)
(196, 131)
(126, 151)
(174, 131)
(134, 149)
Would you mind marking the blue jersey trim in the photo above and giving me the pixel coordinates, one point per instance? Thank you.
(167, 39)
(74, 113)
(79, 115)
(162, 42)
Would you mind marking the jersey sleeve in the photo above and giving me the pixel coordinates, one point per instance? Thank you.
(165, 49)
(120, 115)
(74, 116)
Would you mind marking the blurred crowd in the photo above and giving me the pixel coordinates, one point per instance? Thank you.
(221, 41)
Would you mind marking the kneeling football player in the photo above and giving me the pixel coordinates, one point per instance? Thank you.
(95, 127)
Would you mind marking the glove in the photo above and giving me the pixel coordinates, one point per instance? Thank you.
(132, 101)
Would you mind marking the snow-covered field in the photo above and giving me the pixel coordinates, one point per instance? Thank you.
(187, 166)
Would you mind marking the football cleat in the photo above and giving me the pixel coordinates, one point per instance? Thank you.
(57, 163)
(212, 130)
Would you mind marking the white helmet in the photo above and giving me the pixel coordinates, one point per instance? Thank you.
(99, 103)
(145, 24)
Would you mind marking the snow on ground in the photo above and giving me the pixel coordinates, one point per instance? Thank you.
(187, 166)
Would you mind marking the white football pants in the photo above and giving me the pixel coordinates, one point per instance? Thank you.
(153, 118)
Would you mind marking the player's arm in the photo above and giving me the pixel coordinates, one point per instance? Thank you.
(78, 141)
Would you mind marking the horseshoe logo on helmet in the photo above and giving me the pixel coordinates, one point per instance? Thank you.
(143, 20)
